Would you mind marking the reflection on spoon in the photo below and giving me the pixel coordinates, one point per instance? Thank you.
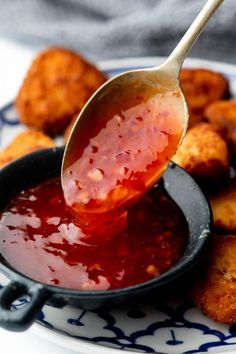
(125, 136)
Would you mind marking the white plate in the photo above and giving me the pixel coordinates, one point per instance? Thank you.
(175, 326)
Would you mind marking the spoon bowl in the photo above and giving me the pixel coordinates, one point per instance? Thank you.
(100, 159)
(126, 134)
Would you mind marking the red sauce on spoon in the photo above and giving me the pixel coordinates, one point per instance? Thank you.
(121, 146)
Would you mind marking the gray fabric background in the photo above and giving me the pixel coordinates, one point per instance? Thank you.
(104, 29)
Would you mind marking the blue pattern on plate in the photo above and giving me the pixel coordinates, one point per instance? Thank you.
(117, 338)
(176, 320)
(8, 115)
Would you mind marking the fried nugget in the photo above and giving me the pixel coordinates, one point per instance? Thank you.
(223, 204)
(201, 87)
(57, 85)
(215, 292)
(24, 143)
(222, 114)
(203, 153)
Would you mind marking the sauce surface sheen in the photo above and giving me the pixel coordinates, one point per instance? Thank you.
(42, 239)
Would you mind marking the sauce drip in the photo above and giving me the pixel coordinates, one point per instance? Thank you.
(40, 238)
(122, 146)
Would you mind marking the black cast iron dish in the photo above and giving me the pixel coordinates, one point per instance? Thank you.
(42, 165)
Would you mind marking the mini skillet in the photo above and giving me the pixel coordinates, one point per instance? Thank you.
(39, 166)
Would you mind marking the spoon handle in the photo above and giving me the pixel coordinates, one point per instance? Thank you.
(176, 58)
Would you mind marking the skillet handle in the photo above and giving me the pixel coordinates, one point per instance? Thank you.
(21, 319)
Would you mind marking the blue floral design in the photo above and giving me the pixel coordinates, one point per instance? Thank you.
(176, 320)
(41, 319)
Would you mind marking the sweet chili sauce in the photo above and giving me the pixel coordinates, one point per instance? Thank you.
(42, 239)
(122, 147)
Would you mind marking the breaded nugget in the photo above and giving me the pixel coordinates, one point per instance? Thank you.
(24, 143)
(57, 85)
(222, 114)
(203, 153)
(202, 87)
(223, 205)
(215, 292)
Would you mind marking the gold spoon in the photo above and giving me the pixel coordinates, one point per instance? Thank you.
(91, 178)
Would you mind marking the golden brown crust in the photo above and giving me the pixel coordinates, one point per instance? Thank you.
(201, 87)
(57, 85)
(215, 292)
(203, 153)
(223, 205)
(24, 143)
(222, 114)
